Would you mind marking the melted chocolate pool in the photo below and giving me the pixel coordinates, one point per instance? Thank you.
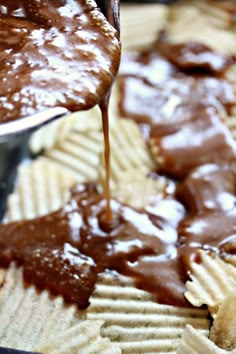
(64, 251)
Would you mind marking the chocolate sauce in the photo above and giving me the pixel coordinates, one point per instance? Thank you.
(54, 53)
(209, 230)
(179, 92)
(105, 123)
(203, 139)
(184, 110)
(211, 187)
(172, 102)
(192, 55)
(209, 194)
(66, 250)
(58, 53)
(154, 91)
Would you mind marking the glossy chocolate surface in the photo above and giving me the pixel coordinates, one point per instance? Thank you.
(203, 139)
(54, 53)
(211, 187)
(180, 93)
(184, 109)
(154, 90)
(192, 55)
(64, 251)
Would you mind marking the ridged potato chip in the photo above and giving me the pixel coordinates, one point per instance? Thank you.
(211, 281)
(194, 342)
(42, 187)
(137, 323)
(224, 326)
(152, 17)
(82, 338)
(29, 317)
(202, 26)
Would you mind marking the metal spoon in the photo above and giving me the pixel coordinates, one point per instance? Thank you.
(26, 125)
(14, 135)
(110, 8)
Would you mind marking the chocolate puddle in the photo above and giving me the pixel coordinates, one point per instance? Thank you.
(64, 251)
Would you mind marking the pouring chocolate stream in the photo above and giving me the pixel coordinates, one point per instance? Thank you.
(60, 54)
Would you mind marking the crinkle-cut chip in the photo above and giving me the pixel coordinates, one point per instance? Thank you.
(79, 153)
(137, 189)
(211, 281)
(85, 121)
(135, 321)
(200, 27)
(51, 134)
(42, 187)
(83, 338)
(128, 152)
(28, 317)
(194, 342)
(14, 209)
(55, 133)
(217, 16)
(151, 17)
(224, 326)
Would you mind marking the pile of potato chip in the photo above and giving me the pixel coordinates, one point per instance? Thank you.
(120, 318)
